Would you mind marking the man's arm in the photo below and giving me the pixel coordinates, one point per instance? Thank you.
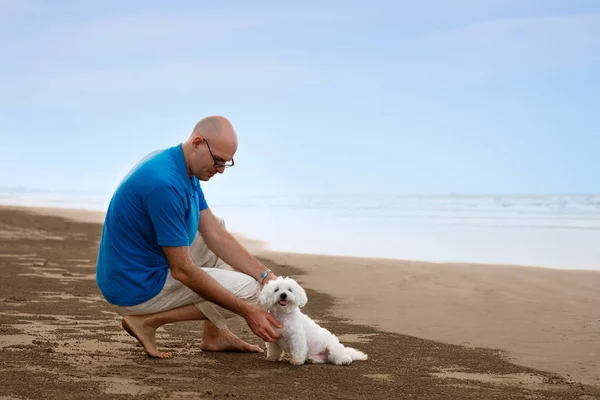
(227, 248)
(166, 208)
(184, 270)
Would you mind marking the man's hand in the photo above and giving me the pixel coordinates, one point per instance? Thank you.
(261, 322)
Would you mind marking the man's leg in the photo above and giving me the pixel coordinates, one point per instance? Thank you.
(177, 302)
(216, 336)
(215, 322)
(143, 328)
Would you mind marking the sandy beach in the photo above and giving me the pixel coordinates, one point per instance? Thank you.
(444, 331)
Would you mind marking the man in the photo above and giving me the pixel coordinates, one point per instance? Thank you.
(165, 257)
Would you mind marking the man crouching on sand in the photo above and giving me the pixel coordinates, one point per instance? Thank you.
(165, 257)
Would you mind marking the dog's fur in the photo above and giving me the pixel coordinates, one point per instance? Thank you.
(301, 337)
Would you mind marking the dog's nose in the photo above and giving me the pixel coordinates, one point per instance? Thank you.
(283, 296)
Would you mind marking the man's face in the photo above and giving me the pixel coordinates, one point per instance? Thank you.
(211, 157)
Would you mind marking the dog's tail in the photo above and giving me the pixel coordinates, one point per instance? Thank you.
(356, 355)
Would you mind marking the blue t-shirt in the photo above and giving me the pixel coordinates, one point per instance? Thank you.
(157, 204)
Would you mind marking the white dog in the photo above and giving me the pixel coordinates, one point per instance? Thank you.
(301, 337)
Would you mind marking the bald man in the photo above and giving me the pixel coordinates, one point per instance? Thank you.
(165, 257)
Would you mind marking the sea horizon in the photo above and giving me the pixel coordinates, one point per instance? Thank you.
(542, 230)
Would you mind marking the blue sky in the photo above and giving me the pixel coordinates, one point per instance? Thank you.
(327, 97)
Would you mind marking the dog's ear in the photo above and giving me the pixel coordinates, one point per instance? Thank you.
(302, 297)
(263, 299)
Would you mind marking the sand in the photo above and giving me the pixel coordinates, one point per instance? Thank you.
(543, 318)
(431, 330)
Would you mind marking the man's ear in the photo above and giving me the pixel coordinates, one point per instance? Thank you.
(197, 141)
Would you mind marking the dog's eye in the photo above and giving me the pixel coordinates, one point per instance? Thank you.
(290, 289)
(276, 290)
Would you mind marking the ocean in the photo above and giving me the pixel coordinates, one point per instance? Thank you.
(554, 231)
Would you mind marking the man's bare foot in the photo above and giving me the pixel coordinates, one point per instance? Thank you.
(225, 340)
(145, 334)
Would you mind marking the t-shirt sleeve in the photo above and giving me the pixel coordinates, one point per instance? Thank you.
(202, 204)
(167, 213)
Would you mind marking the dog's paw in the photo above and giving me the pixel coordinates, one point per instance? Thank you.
(297, 361)
(343, 360)
(273, 358)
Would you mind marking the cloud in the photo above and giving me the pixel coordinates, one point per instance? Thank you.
(15, 7)
(177, 52)
(135, 53)
(124, 36)
(158, 31)
(508, 47)
(173, 76)
(182, 77)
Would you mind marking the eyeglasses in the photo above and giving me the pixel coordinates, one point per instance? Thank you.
(217, 164)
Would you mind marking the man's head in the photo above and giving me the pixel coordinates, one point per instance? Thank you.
(210, 147)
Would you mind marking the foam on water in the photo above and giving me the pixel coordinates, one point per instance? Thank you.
(560, 231)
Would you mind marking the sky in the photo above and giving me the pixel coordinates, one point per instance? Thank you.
(327, 97)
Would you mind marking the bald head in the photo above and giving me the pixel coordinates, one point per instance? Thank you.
(213, 142)
(215, 128)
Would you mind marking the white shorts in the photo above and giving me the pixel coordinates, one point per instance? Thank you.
(175, 294)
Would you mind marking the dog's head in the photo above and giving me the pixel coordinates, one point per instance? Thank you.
(282, 294)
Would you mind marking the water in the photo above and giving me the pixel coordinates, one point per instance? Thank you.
(548, 231)
(561, 231)
(49, 198)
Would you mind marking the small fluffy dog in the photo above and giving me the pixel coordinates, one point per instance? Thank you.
(301, 337)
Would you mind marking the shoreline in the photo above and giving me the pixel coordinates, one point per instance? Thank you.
(261, 247)
(74, 214)
(539, 317)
